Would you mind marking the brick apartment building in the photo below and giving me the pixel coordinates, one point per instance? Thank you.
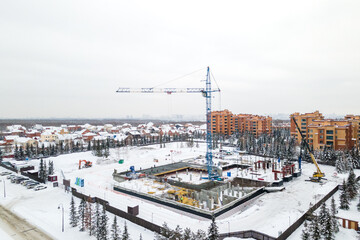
(227, 123)
(320, 133)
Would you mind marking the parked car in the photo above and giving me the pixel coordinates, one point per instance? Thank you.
(40, 187)
(20, 179)
(11, 176)
(25, 183)
(32, 185)
(5, 173)
(13, 179)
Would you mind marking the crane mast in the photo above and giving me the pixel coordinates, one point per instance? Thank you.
(206, 92)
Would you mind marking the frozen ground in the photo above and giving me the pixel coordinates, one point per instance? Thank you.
(270, 213)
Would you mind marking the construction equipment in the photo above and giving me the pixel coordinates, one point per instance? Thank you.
(87, 164)
(206, 92)
(318, 175)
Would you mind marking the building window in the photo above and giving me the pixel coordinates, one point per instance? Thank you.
(304, 123)
(329, 132)
(330, 137)
(321, 131)
(321, 136)
(329, 142)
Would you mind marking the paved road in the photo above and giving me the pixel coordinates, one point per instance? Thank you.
(18, 228)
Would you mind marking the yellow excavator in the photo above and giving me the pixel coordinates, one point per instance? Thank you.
(318, 175)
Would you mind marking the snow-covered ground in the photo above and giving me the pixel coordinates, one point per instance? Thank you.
(270, 213)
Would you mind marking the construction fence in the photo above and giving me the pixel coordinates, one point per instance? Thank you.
(139, 221)
(308, 213)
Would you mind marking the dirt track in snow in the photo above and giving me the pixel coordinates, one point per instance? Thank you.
(18, 228)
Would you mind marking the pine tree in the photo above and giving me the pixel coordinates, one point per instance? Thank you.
(177, 233)
(81, 214)
(104, 224)
(315, 229)
(21, 153)
(358, 206)
(322, 219)
(333, 212)
(96, 221)
(187, 234)
(16, 152)
(45, 171)
(73, 214)
(41, 169)
(88, 217)
(51, 168)
(115, 231)
(328, 228)
(106, 152)
(213, 232)
(351, 185)
(125, 235)
(344, 198)
(305, 232)
(200, 235)
(326, 223)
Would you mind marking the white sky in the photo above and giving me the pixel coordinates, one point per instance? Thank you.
(67, 58)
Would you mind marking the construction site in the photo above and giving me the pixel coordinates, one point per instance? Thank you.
(185, 185)
(207, 185)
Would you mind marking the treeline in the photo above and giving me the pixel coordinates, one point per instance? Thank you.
(278, 144)
(99, 147)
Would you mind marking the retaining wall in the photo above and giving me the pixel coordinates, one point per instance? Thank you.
(190, 209)
(247, 234)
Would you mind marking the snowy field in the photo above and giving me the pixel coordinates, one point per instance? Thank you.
(269, 213)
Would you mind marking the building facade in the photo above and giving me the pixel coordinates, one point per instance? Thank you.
(226, 123)
(320, 133)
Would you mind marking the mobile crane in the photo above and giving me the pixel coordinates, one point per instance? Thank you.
(318, 175)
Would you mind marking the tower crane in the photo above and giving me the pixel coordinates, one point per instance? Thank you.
(206, 92)
(318, 175)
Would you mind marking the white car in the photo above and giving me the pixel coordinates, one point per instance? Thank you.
(40, 187)
(5, 173)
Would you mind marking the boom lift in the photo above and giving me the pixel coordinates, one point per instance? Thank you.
(318, 175)
(206, 92)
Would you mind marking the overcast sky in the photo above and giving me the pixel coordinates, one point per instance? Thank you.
(68, 58)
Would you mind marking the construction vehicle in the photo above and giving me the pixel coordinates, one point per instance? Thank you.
(318, 175)
(87, 164)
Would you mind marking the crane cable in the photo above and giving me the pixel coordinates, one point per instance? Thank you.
(178, 78)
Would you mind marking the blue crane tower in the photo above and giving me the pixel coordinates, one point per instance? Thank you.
(206, 92)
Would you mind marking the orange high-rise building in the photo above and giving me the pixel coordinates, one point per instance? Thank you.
(303, 120)
(227, 123)
(321, 133)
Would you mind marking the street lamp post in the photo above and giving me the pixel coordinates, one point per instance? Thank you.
(4, 188)
(62, 208)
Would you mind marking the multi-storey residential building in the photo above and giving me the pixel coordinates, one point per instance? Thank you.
(355, 121)
(303, 121)
(321, 133)
(227, 123)
(336, 134)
